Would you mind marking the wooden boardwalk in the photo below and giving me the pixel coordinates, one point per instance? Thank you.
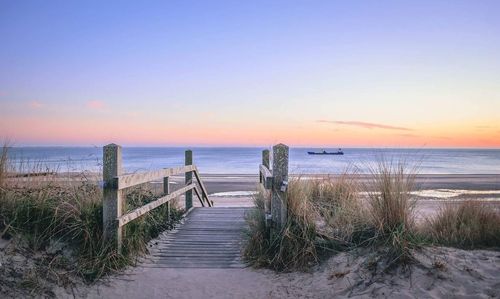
(208, 238)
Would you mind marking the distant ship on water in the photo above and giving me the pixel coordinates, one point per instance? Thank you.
(339, 152)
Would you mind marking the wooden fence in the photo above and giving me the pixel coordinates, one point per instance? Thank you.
(115, 181)
(274, 182)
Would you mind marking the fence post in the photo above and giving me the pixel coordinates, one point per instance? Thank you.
(113, 202)
(189, 180)
(279, 204)
(166, 191)
(265, 158)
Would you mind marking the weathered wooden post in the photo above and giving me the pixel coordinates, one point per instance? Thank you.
(113, 201)
(279, 203)
(166, 191)
(265, 158)
(189, 180)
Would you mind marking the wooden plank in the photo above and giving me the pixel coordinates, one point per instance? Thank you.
(199, 197)
(267, 177)
(146, 208)
(203, 189)
(266, 181)
(129, 180)
(209, 238)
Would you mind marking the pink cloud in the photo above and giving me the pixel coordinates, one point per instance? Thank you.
(35, 105)
(484, 127)
(95, 105)
(364, 125)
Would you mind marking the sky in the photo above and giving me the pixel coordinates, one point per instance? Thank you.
(251, 73)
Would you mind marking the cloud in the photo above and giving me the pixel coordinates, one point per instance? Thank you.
(95, 105)
(35, 105)
(364, 125)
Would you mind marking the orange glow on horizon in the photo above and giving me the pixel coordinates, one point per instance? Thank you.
(34, 131)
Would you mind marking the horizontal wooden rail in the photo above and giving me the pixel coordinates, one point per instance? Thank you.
(130, 180)
(152, 205)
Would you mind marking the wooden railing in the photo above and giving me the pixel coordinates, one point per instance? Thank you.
(115, 182)
(274, 183)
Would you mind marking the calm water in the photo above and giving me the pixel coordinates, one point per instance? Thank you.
(246, 160)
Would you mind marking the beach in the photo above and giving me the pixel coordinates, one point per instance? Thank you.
(250, 149)
(462, 274)
(440, 272)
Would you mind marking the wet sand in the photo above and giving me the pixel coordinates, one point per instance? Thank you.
(247, 182)
(241, 182)
(437, 190)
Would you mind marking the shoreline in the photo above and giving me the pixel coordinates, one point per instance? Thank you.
(424, 181)
(217, 183)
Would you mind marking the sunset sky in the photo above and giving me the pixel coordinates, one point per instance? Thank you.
(251, 73)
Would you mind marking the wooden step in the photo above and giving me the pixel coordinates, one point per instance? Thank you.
(208, 238)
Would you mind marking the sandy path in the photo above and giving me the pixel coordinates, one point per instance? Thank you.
(186, 283)
(459, 274)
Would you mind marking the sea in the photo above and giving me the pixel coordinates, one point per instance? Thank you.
(246, 160)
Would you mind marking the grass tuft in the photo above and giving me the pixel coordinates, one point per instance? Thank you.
(465, 225)
(340, 210)
(391, 210)
(293, 247)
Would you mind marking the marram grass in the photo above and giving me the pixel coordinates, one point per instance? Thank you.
(339, 213)
(40, 214)
(466, 225)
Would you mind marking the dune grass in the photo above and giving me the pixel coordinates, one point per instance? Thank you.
(321, 215)
(340, 210)
(331, 214)
(41, 214)
(391, 210)
(466, 225)
(292, 247)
